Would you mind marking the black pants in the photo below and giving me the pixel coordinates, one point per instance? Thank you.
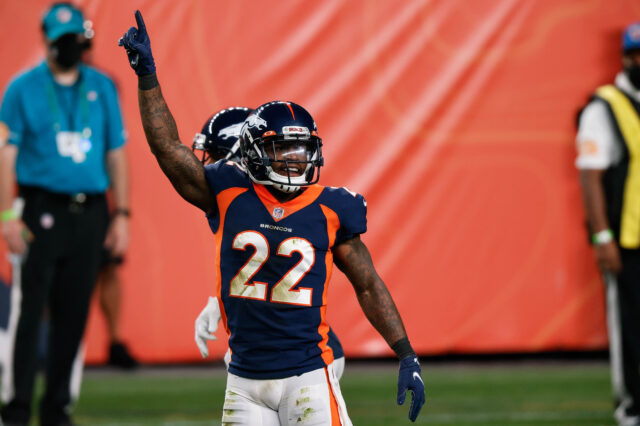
(59, 271)
(624, 329)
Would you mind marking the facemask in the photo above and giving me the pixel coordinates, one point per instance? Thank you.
(633, 72)
(67, 51)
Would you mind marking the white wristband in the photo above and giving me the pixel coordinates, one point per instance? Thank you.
(603, 237)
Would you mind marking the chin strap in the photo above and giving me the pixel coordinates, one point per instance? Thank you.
(282, 187)
(289, 189)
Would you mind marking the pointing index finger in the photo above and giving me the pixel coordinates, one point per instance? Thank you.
(141, 26)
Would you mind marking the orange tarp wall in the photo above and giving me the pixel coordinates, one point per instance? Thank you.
(455, 119)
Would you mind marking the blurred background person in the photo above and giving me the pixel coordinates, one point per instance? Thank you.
(110, 295)
(608, 143)
(64, 148)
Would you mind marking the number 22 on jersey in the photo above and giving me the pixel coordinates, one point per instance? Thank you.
(283, 291)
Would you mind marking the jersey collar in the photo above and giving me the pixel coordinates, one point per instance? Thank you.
(278, 210)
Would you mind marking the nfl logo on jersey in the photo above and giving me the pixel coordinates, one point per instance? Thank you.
(278, 212)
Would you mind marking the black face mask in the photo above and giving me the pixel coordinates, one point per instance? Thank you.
(67, 51)
(633, 72)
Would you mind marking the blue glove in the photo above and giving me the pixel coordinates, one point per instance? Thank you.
(138, 46)
(409, 378)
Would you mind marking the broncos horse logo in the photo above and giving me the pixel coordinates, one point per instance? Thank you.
(232, 131)
(254, 121)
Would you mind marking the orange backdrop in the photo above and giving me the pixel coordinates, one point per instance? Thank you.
(454, 118)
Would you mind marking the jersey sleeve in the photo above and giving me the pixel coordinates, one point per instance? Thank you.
(217, 176)
(352, 213)
(12, 119)
(220, 176)
(595, 141)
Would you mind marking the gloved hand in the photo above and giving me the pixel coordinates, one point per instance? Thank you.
(138, 46)
(207, 323)
(409, 378)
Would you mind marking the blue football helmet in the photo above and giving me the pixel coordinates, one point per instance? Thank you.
(280, 146)
(219, 136)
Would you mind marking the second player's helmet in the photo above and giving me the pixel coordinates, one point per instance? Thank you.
(280, 146)
(219, 136)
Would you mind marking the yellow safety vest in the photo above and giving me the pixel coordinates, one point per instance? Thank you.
(629, 125)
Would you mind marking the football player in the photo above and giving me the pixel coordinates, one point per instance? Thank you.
(219, 136)
(277, 235)
(219, 139)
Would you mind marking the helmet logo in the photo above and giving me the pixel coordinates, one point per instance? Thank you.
(255, 121)
(232, 131)
(278, 212)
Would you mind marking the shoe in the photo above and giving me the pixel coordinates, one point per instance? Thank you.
(119, 357)
(54, 416)
(14, 413)
(623, 418)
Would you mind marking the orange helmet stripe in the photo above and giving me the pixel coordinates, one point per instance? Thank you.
(291, 109)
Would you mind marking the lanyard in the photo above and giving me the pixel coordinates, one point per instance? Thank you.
(58, 107)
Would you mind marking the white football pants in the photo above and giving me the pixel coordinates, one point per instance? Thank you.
(313, 398)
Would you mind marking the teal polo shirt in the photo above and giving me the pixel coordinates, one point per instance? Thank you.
(63, 132)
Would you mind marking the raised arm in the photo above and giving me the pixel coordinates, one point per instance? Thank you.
(353, 258)
(176, 160)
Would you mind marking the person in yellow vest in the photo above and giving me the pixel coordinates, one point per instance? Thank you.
(608, 143)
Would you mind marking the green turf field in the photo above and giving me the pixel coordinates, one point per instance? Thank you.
(457, 394)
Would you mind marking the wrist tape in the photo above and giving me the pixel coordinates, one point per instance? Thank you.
(602, 237)
(403, 348)
(9, 214)
(147, 82)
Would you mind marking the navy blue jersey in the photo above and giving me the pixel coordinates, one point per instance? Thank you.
(274, 264)
(335, 345)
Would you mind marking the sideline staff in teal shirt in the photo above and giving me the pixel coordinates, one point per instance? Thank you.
(61, 141)
(62, 132)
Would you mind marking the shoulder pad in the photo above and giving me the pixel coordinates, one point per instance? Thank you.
(225, 174)
(351, 209)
